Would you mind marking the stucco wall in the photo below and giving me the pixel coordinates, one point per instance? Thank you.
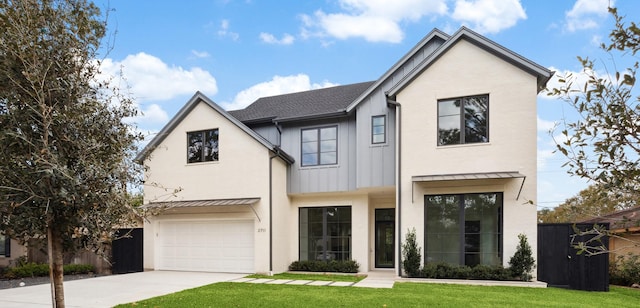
(462, 71)
(241, 172)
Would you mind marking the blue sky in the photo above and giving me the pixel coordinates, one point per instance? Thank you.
(237, 51)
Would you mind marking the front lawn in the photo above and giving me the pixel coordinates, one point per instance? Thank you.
(230, 294)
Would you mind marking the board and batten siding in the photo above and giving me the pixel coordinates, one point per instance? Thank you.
(326, 178)
(376, 162)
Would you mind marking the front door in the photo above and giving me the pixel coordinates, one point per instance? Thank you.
(385, 237)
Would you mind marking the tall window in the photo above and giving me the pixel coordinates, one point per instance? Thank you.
(5, 245)
(320, 146)
(325, 233)
(378, 129)
(463, 120)
(464, 229)
(202, 146)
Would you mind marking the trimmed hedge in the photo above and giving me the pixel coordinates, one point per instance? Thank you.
(442, 270)
(333, 266)
(32, 269)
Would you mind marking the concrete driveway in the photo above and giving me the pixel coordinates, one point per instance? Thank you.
(108, 291)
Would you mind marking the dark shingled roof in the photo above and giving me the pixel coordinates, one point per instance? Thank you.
(307, 104)
(620, 220)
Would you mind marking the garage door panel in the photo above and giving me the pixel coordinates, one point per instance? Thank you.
(219, 246)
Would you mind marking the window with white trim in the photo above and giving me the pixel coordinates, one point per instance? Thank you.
(378, 129)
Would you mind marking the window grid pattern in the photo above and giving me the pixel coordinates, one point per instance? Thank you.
(325, 233)
(378, 129)
(319, 146)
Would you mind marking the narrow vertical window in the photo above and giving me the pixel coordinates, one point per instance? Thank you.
(202, 146)
(378, 129)
(319, 146)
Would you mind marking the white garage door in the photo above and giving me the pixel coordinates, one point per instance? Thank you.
(212, 246)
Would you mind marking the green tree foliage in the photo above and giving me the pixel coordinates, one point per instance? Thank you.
(591, 202)
(66, 148)
(411, 254)
(604, 144)
(522, 262)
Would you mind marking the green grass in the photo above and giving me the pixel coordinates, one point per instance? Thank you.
(323, 277)
(230, 294)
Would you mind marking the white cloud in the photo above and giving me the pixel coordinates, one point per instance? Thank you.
(224, 31)
(149, 78)
(587, 14)
(543, 158)
(544, 125)
(200, 54)
(153, 114)
(373, 20)
(287, 39)
(489, 16)
(277, 85)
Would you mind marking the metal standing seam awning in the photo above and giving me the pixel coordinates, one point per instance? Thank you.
(202, 203)
(470, 177)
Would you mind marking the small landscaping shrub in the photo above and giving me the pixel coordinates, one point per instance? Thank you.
(522, 262)
(487, 272)
(74, 269)
(625, 270)
(411, 254)
(31, 269)
(333, 266)
(441, 270)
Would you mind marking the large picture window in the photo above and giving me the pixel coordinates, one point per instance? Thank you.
(464, 229)
(202, 146)
(319, 146)
(463, 120)
(325, 233)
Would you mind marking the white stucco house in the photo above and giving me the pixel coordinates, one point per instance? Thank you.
(444, 143)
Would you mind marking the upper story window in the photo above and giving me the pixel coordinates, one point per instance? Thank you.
(202, 146)
(463, 120)
(319, 146)
(378, 129)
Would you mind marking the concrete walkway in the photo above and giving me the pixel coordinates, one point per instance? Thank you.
(108, 291)
(377, 279)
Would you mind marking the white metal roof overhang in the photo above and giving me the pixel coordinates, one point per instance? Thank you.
(506, 175)
(249, 202)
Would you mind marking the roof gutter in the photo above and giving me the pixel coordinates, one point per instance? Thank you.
(397, 106)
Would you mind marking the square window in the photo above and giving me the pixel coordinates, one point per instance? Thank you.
(463, 120)
(202, 146)
(464, 229)
(325, 233)
(319, 146)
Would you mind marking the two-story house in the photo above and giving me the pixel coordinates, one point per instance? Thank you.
(444, 143)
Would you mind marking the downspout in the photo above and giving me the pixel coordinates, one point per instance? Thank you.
(271, 157)
(398, 179)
